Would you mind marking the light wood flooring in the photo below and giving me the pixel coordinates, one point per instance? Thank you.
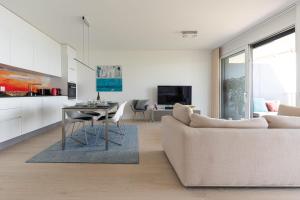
(152, 179)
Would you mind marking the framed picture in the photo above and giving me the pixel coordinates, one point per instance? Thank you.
(109, 78)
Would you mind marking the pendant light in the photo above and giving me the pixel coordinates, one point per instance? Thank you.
(85, 23)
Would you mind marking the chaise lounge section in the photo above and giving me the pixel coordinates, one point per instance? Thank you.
(232, 157)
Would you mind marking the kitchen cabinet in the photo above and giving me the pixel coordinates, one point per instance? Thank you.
(41, 58)
(5, 35)
(69, 64)
(47, 55)
(55, 56)
(72, 65)
(51, 109)
(22, 115)
(25, 47)
(31, 108)
(10, 120)
(72, 75)
(22, 49)
(5, 45)
(10, 128)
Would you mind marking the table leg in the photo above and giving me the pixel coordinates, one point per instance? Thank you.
(106, 130)
(63, 136)
(152, 117)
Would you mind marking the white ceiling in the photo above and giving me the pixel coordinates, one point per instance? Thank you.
(145, 24)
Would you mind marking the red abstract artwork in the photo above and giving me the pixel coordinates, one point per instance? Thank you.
(15, 83)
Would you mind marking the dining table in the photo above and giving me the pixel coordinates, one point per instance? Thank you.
(105, 108)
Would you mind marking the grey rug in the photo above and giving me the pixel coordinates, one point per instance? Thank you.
(75, 152)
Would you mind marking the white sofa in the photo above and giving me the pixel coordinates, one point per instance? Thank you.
(232, 157)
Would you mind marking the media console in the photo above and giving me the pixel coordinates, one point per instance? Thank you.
(156, 114)
(168, 108)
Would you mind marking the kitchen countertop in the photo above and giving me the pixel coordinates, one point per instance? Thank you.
(32, 96)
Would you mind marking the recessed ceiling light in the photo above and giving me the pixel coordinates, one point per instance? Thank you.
(189, 34)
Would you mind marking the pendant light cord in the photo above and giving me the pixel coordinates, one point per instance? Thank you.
(83, 40)
(84, 46)
(85, 23)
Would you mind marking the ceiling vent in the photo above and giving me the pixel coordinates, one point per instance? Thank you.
(189, 34)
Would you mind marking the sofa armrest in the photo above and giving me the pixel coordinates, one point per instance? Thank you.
(173, 143)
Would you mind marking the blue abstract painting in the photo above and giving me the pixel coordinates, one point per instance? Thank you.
(109, 78)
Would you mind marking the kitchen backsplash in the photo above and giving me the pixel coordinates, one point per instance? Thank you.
(18, 83)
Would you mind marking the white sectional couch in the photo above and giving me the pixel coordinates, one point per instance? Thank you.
(232, 157)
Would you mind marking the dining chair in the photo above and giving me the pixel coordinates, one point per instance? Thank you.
(75, 117)
(115, 120)
(93, 114)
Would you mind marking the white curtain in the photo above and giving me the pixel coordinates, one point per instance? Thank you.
(215, 84)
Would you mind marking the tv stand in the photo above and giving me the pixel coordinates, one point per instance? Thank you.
(169, 108)
(156, 114)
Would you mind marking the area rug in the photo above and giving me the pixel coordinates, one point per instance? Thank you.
(127, 153)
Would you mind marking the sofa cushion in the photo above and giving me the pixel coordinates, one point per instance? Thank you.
(289, 110)
(288, 122)
(182, 113)
(259, 105)
(200, 121)
(272, 106)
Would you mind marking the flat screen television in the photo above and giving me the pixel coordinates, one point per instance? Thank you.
(169, 95)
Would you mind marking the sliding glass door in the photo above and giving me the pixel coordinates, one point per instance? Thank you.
(274, 73)
(269, 73)
(233, 87)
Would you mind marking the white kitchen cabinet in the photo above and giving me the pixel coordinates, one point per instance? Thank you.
(9, 103)
(72, 66)
(39, 112)
(22, 115)
(47, 55)
(5, 35)
(10, 128)
(69, 64)
(5, 38)
(41, 54)
(25, 47)
(71, 55)
(55, 58)
(72, 75)
(22, 49)
(32, 114)
(10, 119)
(52, 112)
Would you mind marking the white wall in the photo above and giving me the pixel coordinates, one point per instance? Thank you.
(272, 26)
(144, 70)
(298, 51)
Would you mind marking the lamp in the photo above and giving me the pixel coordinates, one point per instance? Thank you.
(85, 23)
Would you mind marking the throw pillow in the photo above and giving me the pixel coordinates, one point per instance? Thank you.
(272, 106)
(289, 110)
(141, 104)
(200, 121)
(182, 113)
(259, 105)
(288, 122)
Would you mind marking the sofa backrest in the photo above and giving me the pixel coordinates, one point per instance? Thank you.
(201, 121)
(288, 110)
(182, 113)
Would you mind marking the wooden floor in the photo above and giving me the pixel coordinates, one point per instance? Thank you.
(152, 179)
